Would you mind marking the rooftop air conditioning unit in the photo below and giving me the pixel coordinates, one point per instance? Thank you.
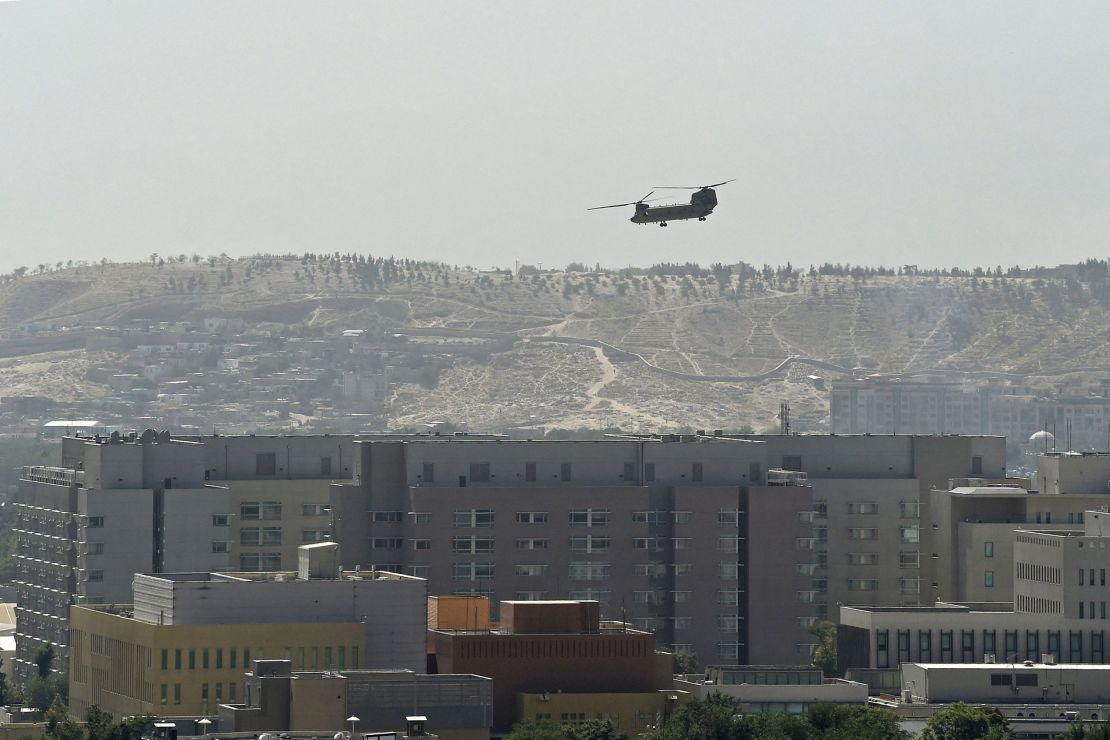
(1048, 658)
(907, 696)
(988, 658)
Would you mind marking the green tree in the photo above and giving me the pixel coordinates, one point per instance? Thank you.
(824, 656)
(962, 722)
(853, 722)
(44, 658)
(715, 718)
(599, 729)
(685, 662)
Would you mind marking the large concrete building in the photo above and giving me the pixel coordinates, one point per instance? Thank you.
(1059, 609)
(152, 503)
(188, 637)
(692, 537)
(687, 536)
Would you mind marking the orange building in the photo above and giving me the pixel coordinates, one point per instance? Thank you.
(551, 647)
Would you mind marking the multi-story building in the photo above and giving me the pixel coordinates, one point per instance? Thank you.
(1059, 608)
(152, 503)
(893, 406)
(688, 536)
(554, 647)
(185, 643)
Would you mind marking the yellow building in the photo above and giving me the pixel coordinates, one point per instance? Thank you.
(126, 666)
(270, 519)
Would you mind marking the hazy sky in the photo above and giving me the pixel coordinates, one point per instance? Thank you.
(941, 133)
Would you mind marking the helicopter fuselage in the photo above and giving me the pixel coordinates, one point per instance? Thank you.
(701, 205)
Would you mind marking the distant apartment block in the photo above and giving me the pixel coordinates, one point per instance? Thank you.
(884, 406)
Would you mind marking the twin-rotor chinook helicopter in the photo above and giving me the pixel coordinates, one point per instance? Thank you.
(701, 205)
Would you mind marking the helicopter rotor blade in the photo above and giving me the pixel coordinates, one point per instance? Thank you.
(619, 205)
(616, 205)
(694, 187)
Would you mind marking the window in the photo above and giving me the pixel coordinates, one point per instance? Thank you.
(531, 517)
(682, 543)
(728, 596)
(647, 597)
(219, 520)
(532, 595)
(271, 510)
(792, 462)
(728, 517)
(863, 584)
(314, 535)
(946, 646)
(863, 533)
(265, 463)
(271, 535)
(925, 645)
(909, 559)
(910, 509)
(680, 597)
(472, 544)
(728, 544)
(649, 472)
(95, 576)
(474, 517)
(1032, 645)
(530, 472)
(588, 517)
(96, 522)
(988, 549)
(325, 465)
(250, 510)
(219, 657)
(683, 517)
(1081, 572)
(315, 510)
(988, 579)
(472, 571)
(177, 659)
(250, 536)
(530, 571)
(728, 623)
(696, 473)
(386, 543)
(479, 472)
(177, 693)
(1075, 647)
(967, 646)
(419, 571)
(531, 543)
(683, 569)
(95, 548)
(652, 570)
(588, 571)
(1011, 644)
(385, 517)
(910, 533)
(204, 659)
(589, 543)
(647, 517)
(1026, 679)
(647, 543)
(564, 472)
(163, 693)
(863, 558)
(422, 544)
(882, 649)
(219, 546)
(429, 473)
(903, 646)
(232, 654)
(600, 595)
(192, 659)
(863, 507)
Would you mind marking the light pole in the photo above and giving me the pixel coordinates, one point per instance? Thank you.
(205, 722)
(352, 719)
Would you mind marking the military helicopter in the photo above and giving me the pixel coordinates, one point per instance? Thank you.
(701, 205)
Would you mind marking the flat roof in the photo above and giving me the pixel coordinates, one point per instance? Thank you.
(1015, 666)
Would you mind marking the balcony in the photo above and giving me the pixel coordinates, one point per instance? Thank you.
(53, 475)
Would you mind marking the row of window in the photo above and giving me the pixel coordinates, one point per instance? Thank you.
(575, 518)
(480, 473)
(306, 659)
(725, 570)
(265, 463)
(906, 533)
(582, 543)
(219, 697)
(967, 651)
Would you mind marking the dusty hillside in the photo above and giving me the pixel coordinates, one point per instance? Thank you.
(758, 335)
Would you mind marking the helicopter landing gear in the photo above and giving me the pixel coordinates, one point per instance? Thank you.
(701, 218)
(662, 223)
